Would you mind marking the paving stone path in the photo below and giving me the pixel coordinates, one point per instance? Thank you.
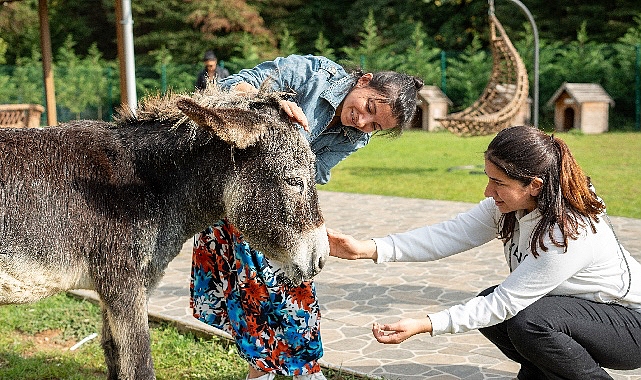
(354, 294)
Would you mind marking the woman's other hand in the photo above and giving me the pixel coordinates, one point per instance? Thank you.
(292, 109)
(295, 113)
(395, 333)
(347, 247)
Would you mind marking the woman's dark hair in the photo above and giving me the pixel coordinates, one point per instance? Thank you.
(400, 91)
(566, 200)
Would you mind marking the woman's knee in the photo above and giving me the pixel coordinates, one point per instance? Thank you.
(530, 324)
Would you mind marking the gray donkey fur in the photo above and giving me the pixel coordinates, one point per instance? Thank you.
(107, 206)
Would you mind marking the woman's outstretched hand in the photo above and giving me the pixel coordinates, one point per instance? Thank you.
(395, 333)
(347, 247)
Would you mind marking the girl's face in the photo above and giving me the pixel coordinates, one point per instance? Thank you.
(508, 193)
(362, 111)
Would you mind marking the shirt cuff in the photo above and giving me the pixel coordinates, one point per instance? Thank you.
(441, 322)
(384, 250)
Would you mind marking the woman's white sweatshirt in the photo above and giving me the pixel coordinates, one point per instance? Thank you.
(594, 267)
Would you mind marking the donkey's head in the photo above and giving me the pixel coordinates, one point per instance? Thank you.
(270, 194)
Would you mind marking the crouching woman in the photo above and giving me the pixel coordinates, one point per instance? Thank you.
(571, 304)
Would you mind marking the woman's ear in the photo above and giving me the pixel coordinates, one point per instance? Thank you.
(364, 80)
(535, 186)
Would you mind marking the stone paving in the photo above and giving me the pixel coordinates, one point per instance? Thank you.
(354, 294)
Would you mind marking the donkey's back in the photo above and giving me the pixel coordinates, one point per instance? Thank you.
(51, 216)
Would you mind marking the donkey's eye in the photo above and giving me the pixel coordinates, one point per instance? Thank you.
(296, 182)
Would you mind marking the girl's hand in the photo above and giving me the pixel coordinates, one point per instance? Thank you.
(295, 113)
(346, 247)
(292, 109)
(395, 333)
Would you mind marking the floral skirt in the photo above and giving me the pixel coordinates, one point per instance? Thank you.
(276, 327)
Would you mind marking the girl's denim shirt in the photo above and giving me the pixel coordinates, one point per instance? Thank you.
(318, 86)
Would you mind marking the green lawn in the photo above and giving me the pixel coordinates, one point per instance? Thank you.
(443, 166)
(35, 341)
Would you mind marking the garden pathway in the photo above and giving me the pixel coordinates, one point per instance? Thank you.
(354, 294)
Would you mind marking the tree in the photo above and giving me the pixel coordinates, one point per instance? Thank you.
(80, 82)
(323, 48)
(226, 24)
(287, 44)
(371, 54)
(27, 80)
(19, 28)
(422, 60)
(468, 74)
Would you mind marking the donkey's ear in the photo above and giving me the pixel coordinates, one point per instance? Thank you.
(240, 128)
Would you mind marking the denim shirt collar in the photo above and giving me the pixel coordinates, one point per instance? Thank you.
(336, 91)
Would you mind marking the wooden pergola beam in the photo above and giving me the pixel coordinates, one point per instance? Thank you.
(125, 57)
(47, 67)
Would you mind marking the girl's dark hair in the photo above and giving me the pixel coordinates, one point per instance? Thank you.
(400, 91)
(566, 200)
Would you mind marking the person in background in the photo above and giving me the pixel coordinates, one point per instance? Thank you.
(276, 326)
(571, 304)
(211, 72)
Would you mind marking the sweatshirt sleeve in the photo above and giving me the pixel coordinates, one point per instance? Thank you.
(467, 230)
(531, 280)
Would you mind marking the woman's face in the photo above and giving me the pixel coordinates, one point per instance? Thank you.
(362, 111)
(508, 193)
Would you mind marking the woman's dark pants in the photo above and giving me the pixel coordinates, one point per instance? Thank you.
(569, 338)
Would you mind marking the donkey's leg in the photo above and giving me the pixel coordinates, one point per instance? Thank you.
(109, 346)
(126, 336)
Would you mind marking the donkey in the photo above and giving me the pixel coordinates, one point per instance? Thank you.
(107, 206)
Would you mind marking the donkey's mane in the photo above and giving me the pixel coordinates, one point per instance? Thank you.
(162, 108)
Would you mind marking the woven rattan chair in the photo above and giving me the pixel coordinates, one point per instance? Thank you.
(505, 94)
(20, 115)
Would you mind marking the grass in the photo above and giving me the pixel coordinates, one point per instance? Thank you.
(35, 341)
(446, 167)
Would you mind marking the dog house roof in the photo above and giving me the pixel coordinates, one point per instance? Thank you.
(582, 93)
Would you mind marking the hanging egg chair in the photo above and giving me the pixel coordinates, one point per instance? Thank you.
(504, 95)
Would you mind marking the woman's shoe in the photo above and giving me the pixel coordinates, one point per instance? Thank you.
(312, 376)
(267, 376)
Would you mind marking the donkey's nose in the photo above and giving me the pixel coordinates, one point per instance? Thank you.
(321, 262)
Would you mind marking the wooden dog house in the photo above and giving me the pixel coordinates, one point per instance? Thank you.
(583, 106)
(433, 104)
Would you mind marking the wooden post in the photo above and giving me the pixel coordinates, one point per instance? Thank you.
(47, 68)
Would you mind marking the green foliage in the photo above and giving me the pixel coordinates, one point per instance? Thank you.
(80, 82)
(371, 54)
(468, 75)
(323, 48)
(3, 51)
(287, 44)
(27, 81)
(420, 59)
(169, 76)
(407, 36)
(248, 54)
(19, 28)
